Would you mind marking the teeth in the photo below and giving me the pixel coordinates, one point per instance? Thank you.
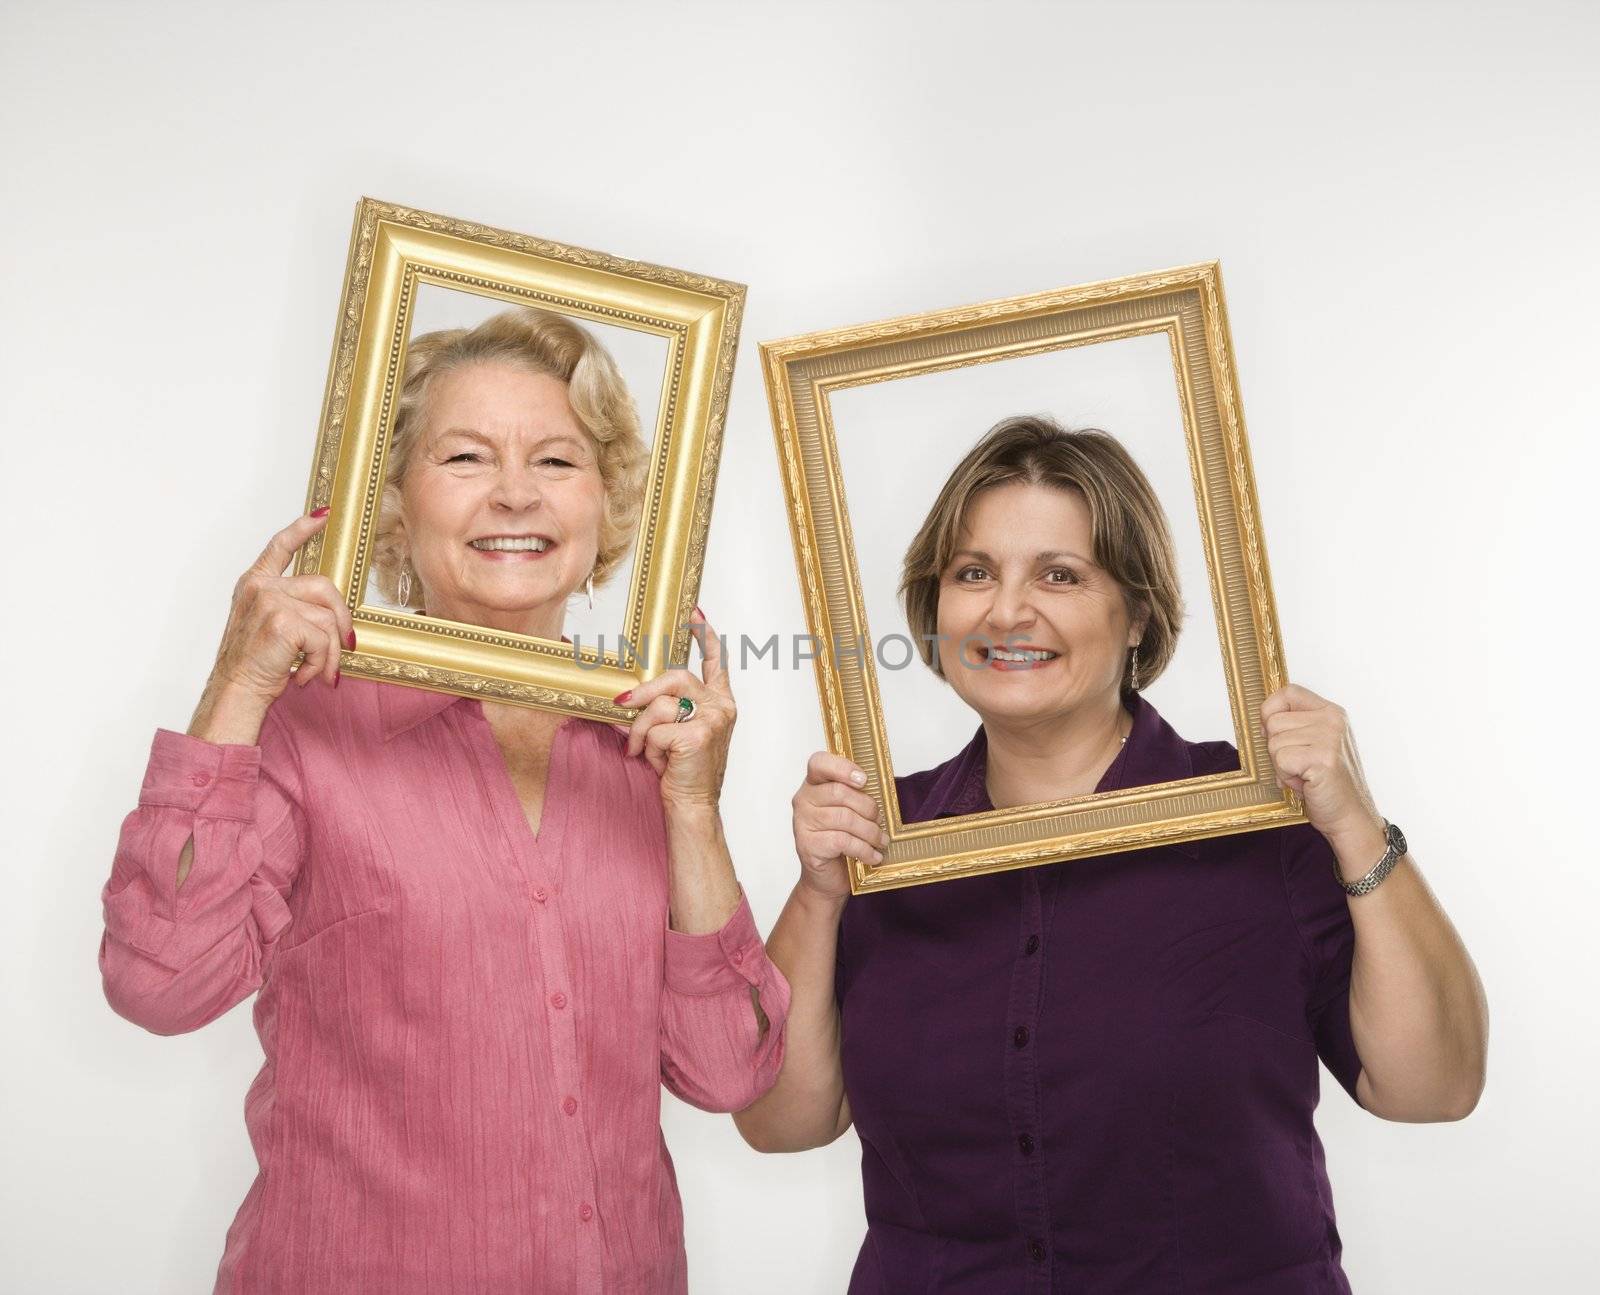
(1003, 654)
(525, 544)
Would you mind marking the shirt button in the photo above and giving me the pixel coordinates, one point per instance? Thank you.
(1036, 1250)
(1020, 1036)
(570, 1105)
(199, 779)
(1032, 946)
(1025, 1145)
(558, 1000)
(540, 894)
(586, 1211)
(737, 956)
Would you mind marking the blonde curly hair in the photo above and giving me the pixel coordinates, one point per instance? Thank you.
(539, 341)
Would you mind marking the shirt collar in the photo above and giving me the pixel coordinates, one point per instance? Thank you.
(1154, 752)
(402, 707)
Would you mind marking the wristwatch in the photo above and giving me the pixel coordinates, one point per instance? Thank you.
(1381, 869)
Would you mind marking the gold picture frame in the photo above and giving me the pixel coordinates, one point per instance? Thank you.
(1185, 304)
(394, 252)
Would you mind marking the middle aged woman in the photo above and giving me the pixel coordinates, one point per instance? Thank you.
(483, 935)
(1099, 1074)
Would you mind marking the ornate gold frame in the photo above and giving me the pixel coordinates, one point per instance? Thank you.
(1186, 304)
(393, 250)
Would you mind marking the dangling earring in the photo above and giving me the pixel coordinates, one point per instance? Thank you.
(404, 591)
(591, 590)
(1133, 670)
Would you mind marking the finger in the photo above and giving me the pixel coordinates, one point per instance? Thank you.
(661, 743)
(1291, 696)
(1294, 761)
(282, 547)
(1279, 747)
(334, 636)
(322, 591)
(314, 656)
(660, 711)
(313, 631)
(330, 671)
(712, 667)
(1288, 721)
(825, 766)
(680, 683)
(838, 794)
(280, 622)
(832, 845)
(838, 818)
(658, 748)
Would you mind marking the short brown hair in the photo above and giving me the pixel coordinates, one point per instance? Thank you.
(1131, 540)
(539, 341)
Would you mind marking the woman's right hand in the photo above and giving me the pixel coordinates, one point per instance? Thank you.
(834, 818)
(275, 618)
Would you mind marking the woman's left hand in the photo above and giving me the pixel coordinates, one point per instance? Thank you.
(691, 755)
(1314, 754)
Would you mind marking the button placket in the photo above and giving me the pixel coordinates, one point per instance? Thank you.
(1022, 1086)
(549, 936)
(539, 860)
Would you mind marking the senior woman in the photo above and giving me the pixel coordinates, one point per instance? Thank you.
(1099, 1074)
(482, 935)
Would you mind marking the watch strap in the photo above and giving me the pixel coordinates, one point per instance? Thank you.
(1381, 869)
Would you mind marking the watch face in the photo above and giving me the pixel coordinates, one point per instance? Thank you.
(1397, 838)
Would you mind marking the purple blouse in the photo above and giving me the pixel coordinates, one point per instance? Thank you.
(1099, 1075)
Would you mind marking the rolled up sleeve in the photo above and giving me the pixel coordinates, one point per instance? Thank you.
(173, 959)
(1321, 912)
(714, 1052)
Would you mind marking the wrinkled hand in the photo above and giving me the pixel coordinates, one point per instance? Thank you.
(690, 757)
(1314, 754)
(834, 818)
(275, 618)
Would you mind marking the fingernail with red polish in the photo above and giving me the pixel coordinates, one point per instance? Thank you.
(321, 512)
(622, 696)
(350, 639)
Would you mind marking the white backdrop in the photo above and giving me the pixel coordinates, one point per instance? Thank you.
(1403, 196)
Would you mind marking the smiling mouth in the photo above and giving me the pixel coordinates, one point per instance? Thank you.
(511, 544)
(999, 658)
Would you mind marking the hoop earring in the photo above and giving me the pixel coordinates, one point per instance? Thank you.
(1133, 670)
(403, 592)
(591, 590)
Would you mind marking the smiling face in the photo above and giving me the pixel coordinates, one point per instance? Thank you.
(1022, 579)
(502, 500)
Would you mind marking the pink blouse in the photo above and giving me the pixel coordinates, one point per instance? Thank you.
(465, 1025)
